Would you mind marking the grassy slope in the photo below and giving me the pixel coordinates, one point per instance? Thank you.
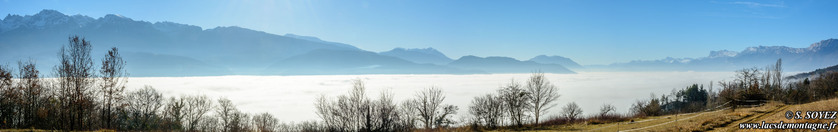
(719, 120)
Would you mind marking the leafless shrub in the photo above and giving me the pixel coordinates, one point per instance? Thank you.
(607, 109)
(572, 111)
(651, 107)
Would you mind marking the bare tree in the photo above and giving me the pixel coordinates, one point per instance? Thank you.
(572, 111)
(356, 112)
(8, 95)
(76, 78)
(444, 120)
(326, 112)
(143, 106)
(428, 102)
(232, 120)
(225, 112)
(113, 79)
(778, 72)
(52, 106)
(348, 112)
(385, 115)
(173, 113)
(31, 91)
(543, 94)
(516, 102)
(825, 86)
(358, 105)
(265, 122)
(778, 79)
(242, 122)
(208, 124)
(305, 126)
(488, 110)
(409, 113)
(194, 111)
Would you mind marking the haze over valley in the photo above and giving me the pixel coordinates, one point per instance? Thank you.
(173, 49)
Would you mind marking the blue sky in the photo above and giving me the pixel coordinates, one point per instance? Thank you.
(588, 31)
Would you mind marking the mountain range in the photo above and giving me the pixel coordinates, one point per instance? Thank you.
(818, 55)
(564, 61)
(426, 55)
(506, 65)
(173, 49)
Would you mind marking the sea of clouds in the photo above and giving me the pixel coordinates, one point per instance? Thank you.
(291, 98)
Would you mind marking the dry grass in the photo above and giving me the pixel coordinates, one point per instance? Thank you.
(40, 130)
(726, 120)
(719, 120)
(823, 105)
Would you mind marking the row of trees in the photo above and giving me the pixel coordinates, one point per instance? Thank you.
(515, 104)
(751, 86)
(823, 86)
(693, 98)
(76, 99)
(357, 112)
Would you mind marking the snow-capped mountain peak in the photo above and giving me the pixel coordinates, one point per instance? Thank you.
(42, 20)
(772, 50)
(824, 44)
(722, 53)
(50, 14)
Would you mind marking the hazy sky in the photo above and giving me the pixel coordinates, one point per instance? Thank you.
(588, 31)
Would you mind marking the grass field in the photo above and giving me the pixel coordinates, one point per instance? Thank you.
(719, 120)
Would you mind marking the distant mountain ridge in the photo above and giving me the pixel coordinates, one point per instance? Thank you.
(820, 54)
(174, 49)
(426, 55)
(564, 61)
(238, 50)
(506, 65)
(324, 62)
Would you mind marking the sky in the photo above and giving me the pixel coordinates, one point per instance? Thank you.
(591, 32)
